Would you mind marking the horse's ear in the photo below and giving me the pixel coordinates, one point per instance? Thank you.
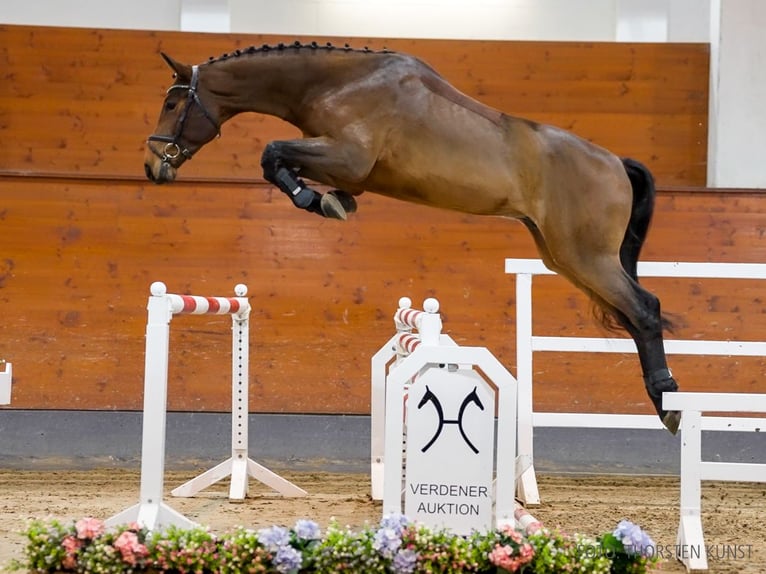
(181, 70)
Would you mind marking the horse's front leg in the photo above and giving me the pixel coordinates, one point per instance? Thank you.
(320, 159)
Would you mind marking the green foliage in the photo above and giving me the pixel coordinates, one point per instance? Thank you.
(556, 552)
(241, 552)
(342, 550)
(393, 546)
(44, 550)
(184, 550)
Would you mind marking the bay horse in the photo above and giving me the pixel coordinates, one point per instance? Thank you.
(387, 123)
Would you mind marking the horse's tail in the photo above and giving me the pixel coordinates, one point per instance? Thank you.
(644, 192)
(640, 215)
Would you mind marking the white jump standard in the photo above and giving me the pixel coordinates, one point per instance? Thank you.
(446, 395)
(151, 511)
(406, 320)
(6, 376)
(527, 344)
(690, 542)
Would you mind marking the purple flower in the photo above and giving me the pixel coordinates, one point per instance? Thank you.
(288, 559)
(307, 530)
(394, 521)
(405, 561)
(635, 540)
(274, 537)
(387, 541)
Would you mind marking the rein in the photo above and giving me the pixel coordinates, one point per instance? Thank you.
(172, 148)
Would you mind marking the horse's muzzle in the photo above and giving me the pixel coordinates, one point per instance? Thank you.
(165, 174)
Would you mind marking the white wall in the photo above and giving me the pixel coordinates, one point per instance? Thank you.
(135, 14)
(454, 19)
(734, 28)
(645, 21)
(689, 20)
(587, 20)
(737, 145)
(205, 15)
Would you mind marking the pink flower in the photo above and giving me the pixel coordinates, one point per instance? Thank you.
(526, 552)
(71, 546)
(130, 548)
(89, 528)
(503, 556)
(512, 533)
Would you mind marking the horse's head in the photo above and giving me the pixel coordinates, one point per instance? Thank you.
(188, 120)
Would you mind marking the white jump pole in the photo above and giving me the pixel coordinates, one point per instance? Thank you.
(526, 485)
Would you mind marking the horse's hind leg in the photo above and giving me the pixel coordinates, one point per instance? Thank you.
(638, 311)
(644, 329)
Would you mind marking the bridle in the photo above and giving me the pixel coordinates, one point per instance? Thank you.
(172, 147)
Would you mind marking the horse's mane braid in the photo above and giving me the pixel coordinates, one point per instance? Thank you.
(297, 45)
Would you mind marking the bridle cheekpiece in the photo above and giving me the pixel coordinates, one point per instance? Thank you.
(172, 147)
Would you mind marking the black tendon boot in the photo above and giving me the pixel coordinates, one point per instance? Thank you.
(306, 198)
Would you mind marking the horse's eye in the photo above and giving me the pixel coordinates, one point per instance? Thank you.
(170, 106)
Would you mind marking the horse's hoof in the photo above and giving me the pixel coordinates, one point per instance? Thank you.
(672, 420)
(346, 200)
(332, 207)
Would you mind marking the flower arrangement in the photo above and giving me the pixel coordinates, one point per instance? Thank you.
(395, 545)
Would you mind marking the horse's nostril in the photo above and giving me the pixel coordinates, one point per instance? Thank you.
(148, 171)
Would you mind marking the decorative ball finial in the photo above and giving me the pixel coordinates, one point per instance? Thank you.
(158, 289)
(240, 290)
(405, 303)
(431, 305)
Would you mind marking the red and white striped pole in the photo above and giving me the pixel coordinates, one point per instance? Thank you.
(196, 305)
(428, 324)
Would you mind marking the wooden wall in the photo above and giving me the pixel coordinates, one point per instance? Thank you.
(82, 234)
(81, 102)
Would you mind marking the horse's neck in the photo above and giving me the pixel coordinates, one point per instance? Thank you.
(273, 84)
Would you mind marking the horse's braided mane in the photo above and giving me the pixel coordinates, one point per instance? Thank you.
(297, 45)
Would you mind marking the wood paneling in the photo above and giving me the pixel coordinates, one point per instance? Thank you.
(83, 236)
(79, 256)
(81, 102)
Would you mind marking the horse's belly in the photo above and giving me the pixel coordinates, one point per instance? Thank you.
(458, 161)
(464, 192)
